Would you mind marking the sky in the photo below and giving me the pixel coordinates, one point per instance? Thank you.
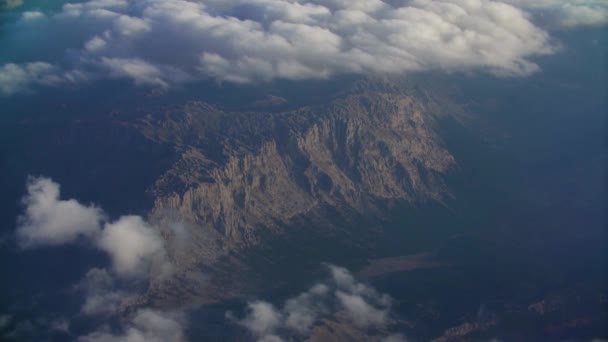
(168, 43)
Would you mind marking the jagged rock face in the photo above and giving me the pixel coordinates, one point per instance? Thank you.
(243, 173)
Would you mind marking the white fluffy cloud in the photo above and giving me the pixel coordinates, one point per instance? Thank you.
(343, 296)
(17, 78)
(166, 42)
(135, 247)
(48, 220)
(570, 13)
(140, 71)
(263, 318)
(146, 326)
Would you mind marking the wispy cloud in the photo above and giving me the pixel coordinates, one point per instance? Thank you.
(102, 295)
(146, 325)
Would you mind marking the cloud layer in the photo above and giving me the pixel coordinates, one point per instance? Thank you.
(342, 296)
(166, 42)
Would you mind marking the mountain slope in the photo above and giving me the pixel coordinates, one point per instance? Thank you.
(239, 171)
(241, 178)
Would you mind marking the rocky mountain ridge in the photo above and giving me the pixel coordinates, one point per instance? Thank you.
(242, 177)
(241, 171)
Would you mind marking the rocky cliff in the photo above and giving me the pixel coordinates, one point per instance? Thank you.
(241, 177)
(246, 171)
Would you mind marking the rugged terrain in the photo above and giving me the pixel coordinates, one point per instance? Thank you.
(236, 173)
(243, 176)
(377, 177)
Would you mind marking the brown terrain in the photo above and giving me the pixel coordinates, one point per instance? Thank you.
(224, 182)
(239, 176)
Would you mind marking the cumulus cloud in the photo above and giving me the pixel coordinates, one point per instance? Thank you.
(568, 14)
(363, 313)
(263, 318)
(48, 220)
(135, 247)
(165, 42)
(19, 78)
(342, 296)
(138, 70)
(303, 310)
(147, 325)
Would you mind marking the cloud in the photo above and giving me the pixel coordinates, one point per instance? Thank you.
(147, 325)
(568, 14)
(303, 310)
(14, 329)
(48, 220)
(342, 296)
(167, 42)
(298, 314)
(263, 318)
(363, 313)
(101, 294)
(138, 255)
(135, 247)
(5, 321)
(16, 78)
(10, 4)
(140, 71)
(364, 305)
